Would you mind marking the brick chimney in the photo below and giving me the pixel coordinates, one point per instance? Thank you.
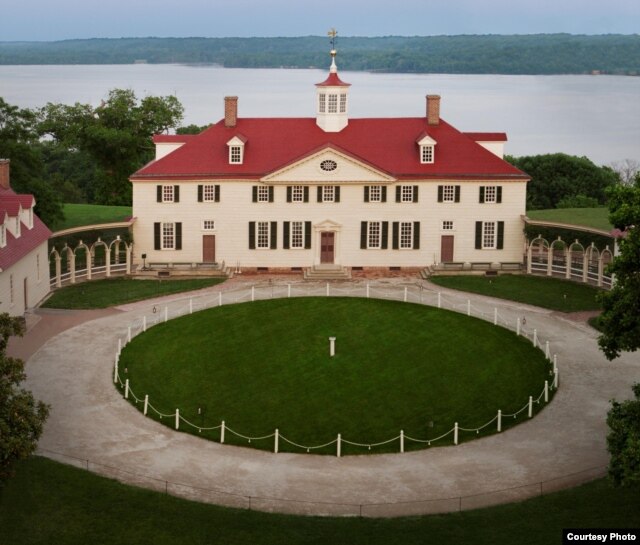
(4, 174)
(433, 109)
(230, 111)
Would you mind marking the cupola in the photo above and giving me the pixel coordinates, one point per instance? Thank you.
(332, 98)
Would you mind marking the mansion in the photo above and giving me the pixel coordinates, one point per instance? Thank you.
(329, 191)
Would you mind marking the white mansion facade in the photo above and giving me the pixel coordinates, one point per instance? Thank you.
(296, 193)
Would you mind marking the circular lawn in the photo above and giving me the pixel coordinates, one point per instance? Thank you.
(398, 366)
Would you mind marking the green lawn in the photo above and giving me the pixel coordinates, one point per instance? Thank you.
(88, 214)
(591, 217)
(540, 291)
(117, 291)
(48, 503)
(397, 366)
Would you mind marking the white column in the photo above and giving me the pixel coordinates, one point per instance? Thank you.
(547, 354)
(327, 289)
(367, 290)
(220, 299)
(129, 334)
(253, 293)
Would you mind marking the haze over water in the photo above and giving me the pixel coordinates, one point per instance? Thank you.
(595, 116)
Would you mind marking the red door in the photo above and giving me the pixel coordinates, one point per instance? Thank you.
(327, 246)
(208, 248)
(446, 249)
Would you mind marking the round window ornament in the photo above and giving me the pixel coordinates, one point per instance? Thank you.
(328, 165)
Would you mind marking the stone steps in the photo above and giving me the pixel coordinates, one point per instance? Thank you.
(327, 272)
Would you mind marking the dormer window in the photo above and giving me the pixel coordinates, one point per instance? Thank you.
(426, 145)
(426, 154)
(236, 150)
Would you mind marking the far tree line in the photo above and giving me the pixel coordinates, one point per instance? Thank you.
(85, 154)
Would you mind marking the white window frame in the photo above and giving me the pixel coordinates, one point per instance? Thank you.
(296, 235)
(332, 103)
(208, 193)
(405, 235)
(208, 225)
(448, 225)
(343, 103)
(427, 154)
(406, 193)
(168, 235)
(489, 235)
(322, 103)
(168, 194)
(375, 193)
(490, 194)
(374, 235)
(263, 193)
(263, 235)
(448, 193)
(235, 154)
(297, 193)
(328, 193)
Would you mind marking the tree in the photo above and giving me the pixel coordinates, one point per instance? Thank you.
(623, 441)
(626, 170)
(19, 142)
(21, 417)
(557, 176)
(620, 319)
(191, 129)
(117, 135)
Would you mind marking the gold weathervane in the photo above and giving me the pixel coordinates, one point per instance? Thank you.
(332, 34)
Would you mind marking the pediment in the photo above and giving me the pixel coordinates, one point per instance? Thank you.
(328, 166)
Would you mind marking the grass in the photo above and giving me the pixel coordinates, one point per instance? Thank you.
(88, 214)
(397, 366)
(118, 291)
(550, 293)
(51, 503)
(597, 218)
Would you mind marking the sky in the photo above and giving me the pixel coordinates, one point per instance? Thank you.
(44, 20)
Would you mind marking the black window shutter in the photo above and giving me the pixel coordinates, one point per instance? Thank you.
(398, 193)
(500, 244)
(384, 193)
(254, 193)
(307, 235)
(319, 193)
(285, 235)
(274, 235)
(457, 194)
(385, 235)
(252, 235)
(363, 235)
(217, 193)
(478, 235)
(156, 235)
(416, 235)
(396, 235)
(271, 194)
(366, 193)
(159, 193)
(415, 193)
(481, 194)
(337, 194)
(288, 193)
(499, 193)
(306, 193)
(440, 193)
(199, 193)
(176, 193)
(179, 235)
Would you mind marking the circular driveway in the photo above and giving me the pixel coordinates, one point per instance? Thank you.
(92, 426)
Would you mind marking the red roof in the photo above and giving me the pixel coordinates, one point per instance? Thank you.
(388, 144)
(333, 81)
(29, 239)
(487, 136)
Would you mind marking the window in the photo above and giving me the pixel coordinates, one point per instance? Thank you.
(333, 103)
(297, 193)
(426, 154)
(297, 234)
(406, 235)
(343, 103)
(235, 154)
(328, 193)
(209, 193)
(375, 193)
(167, 193)
(208, 225)
(322, 103)
(263, 235)
(491, 194)
(374, 234)
(407, 193)
(263, 194)
(489, 235)
(448, 193)
(328, 165)
(447, 225)
(168, 236)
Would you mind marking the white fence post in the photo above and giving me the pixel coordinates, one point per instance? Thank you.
(115, 371)
(499, 420)
(546, 391)
(276, 441)
(219, 298)
(535, 338)
(405, 294)
(556, 380)
(129, 334)
(190, 306)
(401, 440)
(339, 446)
(146, 404)
(455, 434)
(144, 323)
(327, 289)
(253, 293)
(495, 316)
(119, 345)
(530, 406)
(547, 354)
(332, 346)
(126, 389)
(518, 327)
(177, 418)
(289, 290)
(222, 432)
(439, 300)
(166, 313)
(367, 290)
(468, 307)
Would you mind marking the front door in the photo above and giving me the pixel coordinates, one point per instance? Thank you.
(208, 248)
(327, 247)
(446, 249)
